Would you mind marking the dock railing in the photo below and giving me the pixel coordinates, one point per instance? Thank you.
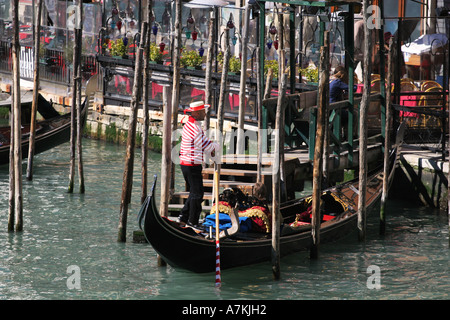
(55, 65)
(427, 121)
(343, 121)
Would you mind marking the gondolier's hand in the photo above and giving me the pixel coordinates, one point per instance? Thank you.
(215, 155)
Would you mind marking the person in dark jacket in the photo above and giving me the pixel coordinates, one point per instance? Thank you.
(338, 90)
(338, 85)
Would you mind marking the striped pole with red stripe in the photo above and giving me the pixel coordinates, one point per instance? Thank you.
(216, 197)
(218, 278)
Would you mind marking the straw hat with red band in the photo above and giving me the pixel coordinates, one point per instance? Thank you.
(197, 106)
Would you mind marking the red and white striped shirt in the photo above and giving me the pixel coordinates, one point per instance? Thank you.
(194, 143)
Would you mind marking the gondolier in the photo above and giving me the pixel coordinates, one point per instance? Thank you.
(195, 145)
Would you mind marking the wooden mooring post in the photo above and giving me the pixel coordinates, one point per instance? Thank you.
(259, 114)
(75, 117)
(15, 219)
(78, 102)
(278, 163)
(170, 123)
(262, 135)
(209, 70)
(37, 40)
(145, 96)
(73, 122)
(243, 83)
(276, 173)
(387, 140)
(166, 157)
(131, 141)
(322, 106)
(175, 101)
(362, 212)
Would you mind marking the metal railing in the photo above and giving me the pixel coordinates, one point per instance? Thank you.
(55, 65)
(427, 122)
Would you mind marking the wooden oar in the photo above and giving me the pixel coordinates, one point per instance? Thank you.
(216, 197)
(219, 128)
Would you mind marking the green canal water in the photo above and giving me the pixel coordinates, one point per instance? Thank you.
(67, 235)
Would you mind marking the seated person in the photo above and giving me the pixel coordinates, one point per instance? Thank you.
(338, 85)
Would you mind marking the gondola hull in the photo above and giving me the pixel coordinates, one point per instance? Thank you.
(182, 247)
(189, 251)
(52, 132)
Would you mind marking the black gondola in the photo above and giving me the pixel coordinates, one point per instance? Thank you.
(50, 132)
(186, 248)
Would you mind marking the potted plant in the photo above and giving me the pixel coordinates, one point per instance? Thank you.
(118, 49)
(271, 64)
(311, 74)
(234, 64)
(156, 55)
(191, 60)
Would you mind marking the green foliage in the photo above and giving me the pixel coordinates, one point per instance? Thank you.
(155, 143)
(4, 112)
(310, 73)
(235, 64)
(138, 138)
(111, 132)
(155, 54)
(99, 131)
(220, 58)
(191, 59)
(118, 48)
(271, 64)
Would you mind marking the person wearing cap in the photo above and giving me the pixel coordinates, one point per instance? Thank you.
(194, 145)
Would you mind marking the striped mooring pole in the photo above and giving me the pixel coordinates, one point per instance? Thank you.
(218, 279)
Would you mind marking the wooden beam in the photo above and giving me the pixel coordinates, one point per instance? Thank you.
(145, 107)
(15, 178)
(362, 212)
(387, 140)
(243, 82)
(37, 40)
(176, 79)
(131, 142)
(209, 70)
(323, 101)
(78, 102)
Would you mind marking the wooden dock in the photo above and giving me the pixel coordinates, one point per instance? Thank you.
(241, 171)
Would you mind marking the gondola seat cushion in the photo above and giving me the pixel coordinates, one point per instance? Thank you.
(260, 216)
(245, 223)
